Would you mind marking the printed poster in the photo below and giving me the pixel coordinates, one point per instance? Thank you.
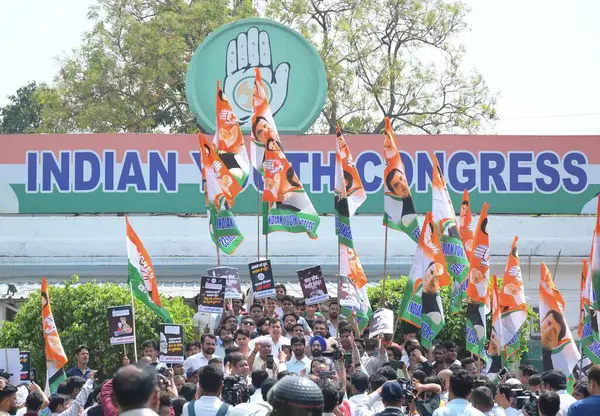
(261, 274)
(382, 322)
(171, 343)
(25, 359)
(313, 285)
(233, 289)
(212, 292)
(120, 325)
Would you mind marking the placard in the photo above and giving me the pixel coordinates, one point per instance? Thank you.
(347, 293)
(313, 285)
(233, 289)
(171, 343)
(120, 325)
(25, 360)
(212, 292)
(382, 322)
(10, 362)
(262, 279)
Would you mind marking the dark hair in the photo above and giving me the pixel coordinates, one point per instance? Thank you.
(254, 306)
(390, 176)
(461, 383)
(376, 381)
(56, 400)
(62, 388)
(236, 358)
(505, 390)
(133, 385)
(319, 360)
(188, 391)
(298, 340)
(150, 343)
(211, 379)
(455, 367)
(34, 401)
(80, 348)
(193, 344)
(439, 347)
(74, 383)
(535, 380)
(560, 321)
(300, 325)
(215, 360)
(396, 351)
(449, 345)
(594, 374)
(360, 381)
(419, 375)
(243, 332)
(165, 400)
(290, 176)
(290, 314)
(282, 374)
(288, 298)
(205, 336)
(273, 321)
(482, 397)
(281, 286)
(555, 379)
(177, 403)
(266, 386)
(333, 302)
(388, 372)
(261, 322)
(435, 380)
(528, 370)
(466, 361)
(549, 403)
(331, 396)
(258, 377)
(348, 177)
(582, 388)
(343, 329)
(255, 124)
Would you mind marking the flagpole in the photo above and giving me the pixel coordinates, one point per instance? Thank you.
(258, 222)
(385, 246)
(267, 234)
(134, 333)
(218, 251)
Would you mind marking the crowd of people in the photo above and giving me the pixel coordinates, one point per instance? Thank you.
(282, 357)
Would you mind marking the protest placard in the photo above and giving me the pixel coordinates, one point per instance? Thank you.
(313, 286)
(347, 293)
(233, 290)
(382, 322)
(262, 279)
(212, 294)
(25, 359)
(171, 343)
(120, 325)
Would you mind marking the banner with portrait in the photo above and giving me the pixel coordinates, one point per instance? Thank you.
(233, 289)
(313, 285)
(212, 294)
(120, 325)
(171, 345)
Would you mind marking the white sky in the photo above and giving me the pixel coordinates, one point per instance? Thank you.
(542, 56)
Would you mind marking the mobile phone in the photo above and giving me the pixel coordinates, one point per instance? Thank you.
(326, 374)
(348, 358)
(270, 361)
(503, 372)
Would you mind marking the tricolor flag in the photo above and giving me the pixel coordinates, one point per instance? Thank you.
(288, 208)
(584, 301)
(422, 303)
(593, 274)
(477, 287)
(495, 349)
(559, 351)
(399, 209)
(452, 246)
(349, 196)
(586, 331)
(466, 224)
(55, 354)
(142, 279)
(220, 190)
(512, 302)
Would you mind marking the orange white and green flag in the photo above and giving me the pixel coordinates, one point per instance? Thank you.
(452, 246)
(512, 302)
(477, 287)
(288, 208)
(422, 304)
(559, 351)
(142, 278)
(220, 190)
(591, 345)
(586, 331)
(399, 209)
(56, 358)
(495, 349)
(466, 224)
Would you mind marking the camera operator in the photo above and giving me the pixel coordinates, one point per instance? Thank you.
(258, 408)
(556, 381)
(209, 388)
(506, 398)
(483, 400)
(428, 395)
(549, 404)
(461, 385)
(392, 396)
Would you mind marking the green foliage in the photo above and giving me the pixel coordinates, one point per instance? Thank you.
(81, 318)
(23, 114)
(455, 328)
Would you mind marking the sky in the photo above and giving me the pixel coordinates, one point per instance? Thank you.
(540, 56)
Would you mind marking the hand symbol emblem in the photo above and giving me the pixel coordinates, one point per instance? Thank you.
(246, 52)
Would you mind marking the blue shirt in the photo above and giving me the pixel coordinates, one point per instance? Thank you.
(75, 371)
(588, 406)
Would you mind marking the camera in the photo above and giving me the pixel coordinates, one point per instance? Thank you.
(528, 401)
(235, 390)
(336, 354)
(407, 387)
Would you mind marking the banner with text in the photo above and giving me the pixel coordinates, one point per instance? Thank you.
(212, 294)
(171, 343)
(120, 325)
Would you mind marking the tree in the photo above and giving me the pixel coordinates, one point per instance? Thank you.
(129, 73)
(23, 114)
(455, 326)
(395, 58)
(81, 318)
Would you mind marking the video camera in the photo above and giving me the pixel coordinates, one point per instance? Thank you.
(235, 390)
(526, 400)
(407, 388)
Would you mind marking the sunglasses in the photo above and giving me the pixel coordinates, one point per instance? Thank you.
(248, 323)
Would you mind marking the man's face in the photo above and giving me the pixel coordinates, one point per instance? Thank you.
(298, 331)
(390, 355)
(334, 311)
(263, 329)
(280, 292)
(550, 330)
(178, 370)
(318, 367)
(209, 346)
(265, 349)
(320, 329)
(298, 349)
(287, 306)
(316, 349)
(263, 131)
(471, 368)
(346, 340)
(271, 305)
(225, 334)
(289, 323)
(248, 325)
(275, 329)
(439, 354)
(193, 350)
(9, 404)
(231, 320)
(311, 309)
(451, 354)
(179, 382)
(241, 368)
(236, 304)
(241, 340)
(256, 314)
(150, 352)
(398, 184)
(83, 356)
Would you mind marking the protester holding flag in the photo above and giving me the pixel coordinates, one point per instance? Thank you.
(56, 358)
(142, 279)
(477, 287)
(400, 213)
(466, 224)
(558, 348)
(452, 246)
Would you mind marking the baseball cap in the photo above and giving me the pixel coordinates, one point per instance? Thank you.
(392, 391)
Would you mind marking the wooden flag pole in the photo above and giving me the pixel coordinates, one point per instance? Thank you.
(258, 222)
(218, 252)
(556, 265)
(385, 247)
(124, 350)
(134, 333)
(267, 233)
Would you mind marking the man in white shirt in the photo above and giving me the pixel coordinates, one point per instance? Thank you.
(483, 400)
(371, 403)
(299, 363)
(258, 377)
(135, 390)
(193, 363)
(461, 384)
(275, 338)
(556, 381)
(504, 400)
(333, 321)
(359, 383)
(256, 408)
(209, 387)
(70, 407)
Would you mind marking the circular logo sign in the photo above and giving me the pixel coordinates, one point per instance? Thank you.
(291, 69)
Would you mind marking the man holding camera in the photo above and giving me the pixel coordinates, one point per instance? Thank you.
(392, 396)
(461, 385)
